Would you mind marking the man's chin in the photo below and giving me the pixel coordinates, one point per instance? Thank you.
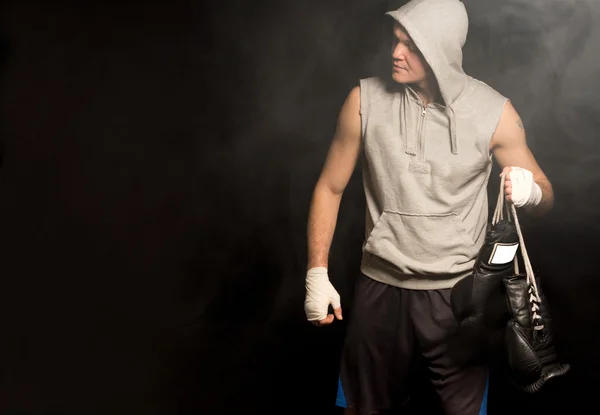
(400, 78)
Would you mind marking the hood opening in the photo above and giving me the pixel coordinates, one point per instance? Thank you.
(439, 30)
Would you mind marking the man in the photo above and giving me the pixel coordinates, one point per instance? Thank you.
(427, 138)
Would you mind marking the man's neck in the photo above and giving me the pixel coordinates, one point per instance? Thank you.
(428, 91)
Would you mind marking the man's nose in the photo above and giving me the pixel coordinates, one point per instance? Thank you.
(399, 52)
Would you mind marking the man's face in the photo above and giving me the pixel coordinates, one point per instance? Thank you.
(408, 65)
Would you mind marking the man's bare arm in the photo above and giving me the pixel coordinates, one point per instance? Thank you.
(337, 171)
(510, 148)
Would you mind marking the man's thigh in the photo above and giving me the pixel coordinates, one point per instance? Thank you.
(378, 349)
(456, 366)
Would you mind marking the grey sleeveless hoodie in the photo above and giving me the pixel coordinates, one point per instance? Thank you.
(426, 168)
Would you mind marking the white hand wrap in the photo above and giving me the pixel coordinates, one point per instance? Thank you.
(319, 294)
(525, 192)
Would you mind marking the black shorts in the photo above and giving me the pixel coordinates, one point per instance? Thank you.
(388, 330)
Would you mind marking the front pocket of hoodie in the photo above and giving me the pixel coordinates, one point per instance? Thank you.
(421, 243)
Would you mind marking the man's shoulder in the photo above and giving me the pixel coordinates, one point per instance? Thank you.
(477, 88)
(377, 85)
(480, 97)
(378, 89)
(372, 80)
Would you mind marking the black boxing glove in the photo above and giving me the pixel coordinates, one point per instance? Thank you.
(524, 365)
(478, 301)
(530, 351)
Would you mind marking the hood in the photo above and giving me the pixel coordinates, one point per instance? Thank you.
(439, 29)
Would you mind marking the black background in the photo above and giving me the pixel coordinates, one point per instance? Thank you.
(157, 167)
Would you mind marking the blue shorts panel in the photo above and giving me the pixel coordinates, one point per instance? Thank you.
(341, 398)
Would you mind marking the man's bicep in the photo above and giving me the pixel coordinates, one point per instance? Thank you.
(509, 144)
(345, 146)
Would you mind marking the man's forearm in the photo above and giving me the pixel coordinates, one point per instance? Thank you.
(321, 225)
(547, 201)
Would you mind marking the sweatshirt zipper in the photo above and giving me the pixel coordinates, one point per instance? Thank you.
(420, 143)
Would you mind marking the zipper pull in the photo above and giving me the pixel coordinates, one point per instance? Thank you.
(424, 111)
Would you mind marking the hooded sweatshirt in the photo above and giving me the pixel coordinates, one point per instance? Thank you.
(426, 167)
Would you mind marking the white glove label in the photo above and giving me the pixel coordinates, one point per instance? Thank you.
(320, 293)
(503, 253)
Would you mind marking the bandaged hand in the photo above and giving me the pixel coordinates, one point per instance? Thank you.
(320, 293)
(520, 188)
